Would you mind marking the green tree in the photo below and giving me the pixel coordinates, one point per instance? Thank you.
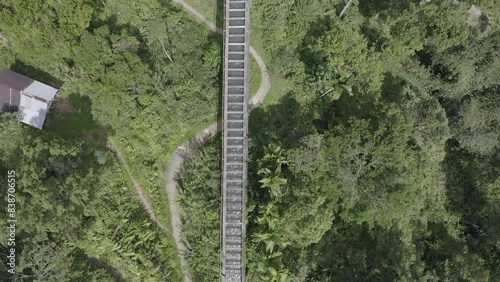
(477, 124)
(341, 55)
(42, 33)
(45, 261)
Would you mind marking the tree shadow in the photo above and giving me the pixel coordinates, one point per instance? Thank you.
(467, 175)
(36, 74)
(384, 8)
(215, 38)
(96, 264)
(438, 246)
(453, 259)
(375, 38)
(392, 87)
(71, 118)
(64, 152)
(73, 126)
(351, 106)
(219, 13)
(314, 61)
(118, 29)
(357, 252)
(283, 124)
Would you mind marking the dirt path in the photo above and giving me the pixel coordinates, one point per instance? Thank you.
(145, 201)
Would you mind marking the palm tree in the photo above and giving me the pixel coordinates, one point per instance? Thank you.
(270, 238)
(274, 183)
(338, 88)
(268, 215)
(275, 155)
(271, 269)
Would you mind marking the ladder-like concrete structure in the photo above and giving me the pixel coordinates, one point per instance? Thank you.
(235, 145)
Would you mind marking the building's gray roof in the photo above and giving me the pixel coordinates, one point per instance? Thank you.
(28, 85)
(14, 80)
(9, 98)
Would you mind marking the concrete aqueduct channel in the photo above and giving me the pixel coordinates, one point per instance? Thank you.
(235, 141)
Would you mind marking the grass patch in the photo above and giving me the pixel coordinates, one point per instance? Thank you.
(255, 77)
(209, 9)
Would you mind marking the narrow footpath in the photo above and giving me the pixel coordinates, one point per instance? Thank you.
(144, 199)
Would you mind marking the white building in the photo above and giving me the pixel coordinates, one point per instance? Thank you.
(31, 98)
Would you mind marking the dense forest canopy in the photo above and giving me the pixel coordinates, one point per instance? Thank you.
(393, 159)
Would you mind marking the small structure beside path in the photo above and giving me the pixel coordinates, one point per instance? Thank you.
(30, 98)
